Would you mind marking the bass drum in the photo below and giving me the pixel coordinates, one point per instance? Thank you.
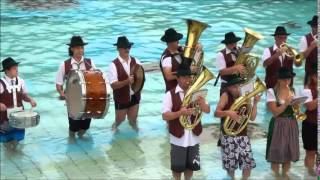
(86, 95)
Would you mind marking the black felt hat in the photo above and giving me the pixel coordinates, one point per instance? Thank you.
(123, 42)
(313, 21)
(8, 63)
(171, 35)
(280, 30)
(285, 73)
(230, 38)
(76, 41)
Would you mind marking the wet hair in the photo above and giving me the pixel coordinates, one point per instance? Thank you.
(70, 52)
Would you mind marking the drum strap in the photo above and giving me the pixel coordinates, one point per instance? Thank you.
(13, 87)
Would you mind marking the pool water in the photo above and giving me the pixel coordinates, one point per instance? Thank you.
(36, 34)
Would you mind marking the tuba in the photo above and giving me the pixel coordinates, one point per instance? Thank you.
(190, 122)
(195, 28)
(248, 61)
(203, 75)
(244, 108)
(291, 52)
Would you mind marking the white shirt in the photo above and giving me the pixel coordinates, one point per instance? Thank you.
(303, 44)
(8, 82)
(113, 74)
(221, 62)
(188, 139)
(75, 65)
(267, 54)
(167, 62)
(307, 93)
(271, 97)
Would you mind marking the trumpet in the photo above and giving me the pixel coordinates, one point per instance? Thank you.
(298, 114)
(291, 52)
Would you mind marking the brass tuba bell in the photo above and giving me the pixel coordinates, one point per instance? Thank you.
(195, 28)
(248, 61)
(243, 106)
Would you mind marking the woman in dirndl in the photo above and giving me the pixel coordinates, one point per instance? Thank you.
(283, 133)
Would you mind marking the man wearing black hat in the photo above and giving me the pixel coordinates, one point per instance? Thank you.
(308, 46)
(12, 93)
(184, 154)
(274, 57)
(236, 150)
(76, 62)
(120, 77)
(226, 58)
(171, 58)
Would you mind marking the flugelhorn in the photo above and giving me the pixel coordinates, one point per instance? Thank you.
(243, 106)
(291, 52)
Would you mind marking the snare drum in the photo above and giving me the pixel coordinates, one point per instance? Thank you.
(86, 95)
(24, 119)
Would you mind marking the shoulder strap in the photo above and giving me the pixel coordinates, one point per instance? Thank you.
(87, 63)
(276, 95)
(67, 66)
(3, 84)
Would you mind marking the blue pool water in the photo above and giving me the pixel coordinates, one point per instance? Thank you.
(36, 34)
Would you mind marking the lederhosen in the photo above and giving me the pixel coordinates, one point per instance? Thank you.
(8, 133)
(121, 96)
(170, 84)
(309, 126)
(311, 59)
(272, 69)
(229, 63)
(75, 124)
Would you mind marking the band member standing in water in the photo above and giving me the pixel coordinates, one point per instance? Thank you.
(12, 93)
(309, 126)
(308, 46)
(226, 58)
(283, 133)
(184, 154)
(236, 150)
(77, 61)
(172, 57)
(120, 77)
(274, 57)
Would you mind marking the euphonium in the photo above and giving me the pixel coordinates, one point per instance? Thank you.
(248, 61)
(291, 52)
(243, 106)
(190, 122)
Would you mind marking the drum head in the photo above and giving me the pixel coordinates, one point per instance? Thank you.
(75, 94)
(139, 78)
